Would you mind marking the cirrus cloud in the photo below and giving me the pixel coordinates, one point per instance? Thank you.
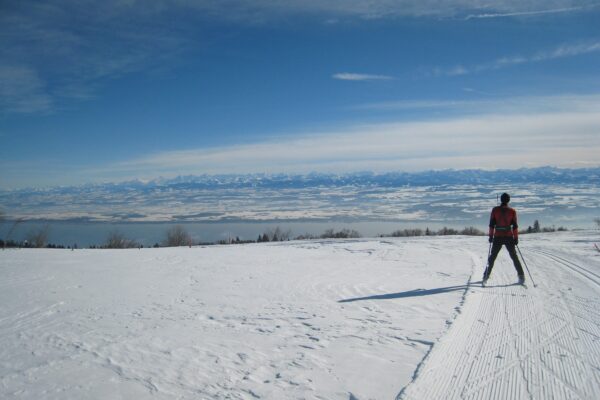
(561, 51)
(70, 48)
(349, 76)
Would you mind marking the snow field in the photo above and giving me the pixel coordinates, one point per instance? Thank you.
(230, 322)
(347, 319)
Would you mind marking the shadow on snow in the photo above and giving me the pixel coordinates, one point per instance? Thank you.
(419, 292)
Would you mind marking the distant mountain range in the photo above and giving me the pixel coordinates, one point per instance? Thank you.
(568, 194)
(390, 179)
(542, 175)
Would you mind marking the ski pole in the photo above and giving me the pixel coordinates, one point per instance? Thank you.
(487, 264)
(526, 267)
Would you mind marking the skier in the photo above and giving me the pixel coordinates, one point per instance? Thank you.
(503, 232)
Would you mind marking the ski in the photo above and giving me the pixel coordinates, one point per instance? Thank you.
(522, 283)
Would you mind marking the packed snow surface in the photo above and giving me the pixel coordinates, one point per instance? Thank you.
(341, 319)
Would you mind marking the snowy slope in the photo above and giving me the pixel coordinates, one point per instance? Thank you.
(516, 343)
(356, 319)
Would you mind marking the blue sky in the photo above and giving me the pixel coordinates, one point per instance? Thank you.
(129, 89)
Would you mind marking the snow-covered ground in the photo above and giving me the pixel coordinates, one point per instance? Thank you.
(345, 319)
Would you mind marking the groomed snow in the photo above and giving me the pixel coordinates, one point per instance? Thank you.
(345, 319)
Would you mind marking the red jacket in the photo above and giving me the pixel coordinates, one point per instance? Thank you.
(503, 222)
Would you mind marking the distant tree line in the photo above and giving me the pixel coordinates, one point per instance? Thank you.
(5, 244)
(274, 235)
(536, 228)
(445, 231)
(178, 236)
(35, 238)
(331, 234)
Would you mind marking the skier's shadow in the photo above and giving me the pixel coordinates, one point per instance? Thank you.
(418, 292)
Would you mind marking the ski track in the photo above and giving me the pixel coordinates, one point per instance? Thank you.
(574, 266)
(513, 342)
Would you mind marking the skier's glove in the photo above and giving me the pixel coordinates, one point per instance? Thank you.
(490, 239)
(516, 241)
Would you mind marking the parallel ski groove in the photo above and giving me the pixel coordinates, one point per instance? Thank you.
(520, 343)
(573, 266)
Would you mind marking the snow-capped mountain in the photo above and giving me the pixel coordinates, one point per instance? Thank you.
(449, 195)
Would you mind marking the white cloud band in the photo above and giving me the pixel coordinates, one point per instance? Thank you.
(569, 138)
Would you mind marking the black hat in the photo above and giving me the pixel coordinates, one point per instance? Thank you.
(505, 198)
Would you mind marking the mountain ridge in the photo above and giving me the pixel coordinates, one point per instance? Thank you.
(542, 175)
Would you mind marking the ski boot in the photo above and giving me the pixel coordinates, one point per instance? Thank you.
(486, 276)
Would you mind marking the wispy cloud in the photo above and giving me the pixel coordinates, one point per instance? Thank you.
(419, 105)
(529, 13)
(568, 51)
(63, 50)
(505, 133)
(487, 140)
(71, 48)
(562, 51)
(348, 76)
(22, 91)
(261, 10)
(493, 104)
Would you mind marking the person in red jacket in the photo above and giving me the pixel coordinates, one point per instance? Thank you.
(504, 232)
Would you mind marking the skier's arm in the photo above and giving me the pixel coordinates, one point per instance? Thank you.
(492, 225)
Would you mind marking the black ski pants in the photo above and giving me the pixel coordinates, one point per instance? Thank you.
(510, 246)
